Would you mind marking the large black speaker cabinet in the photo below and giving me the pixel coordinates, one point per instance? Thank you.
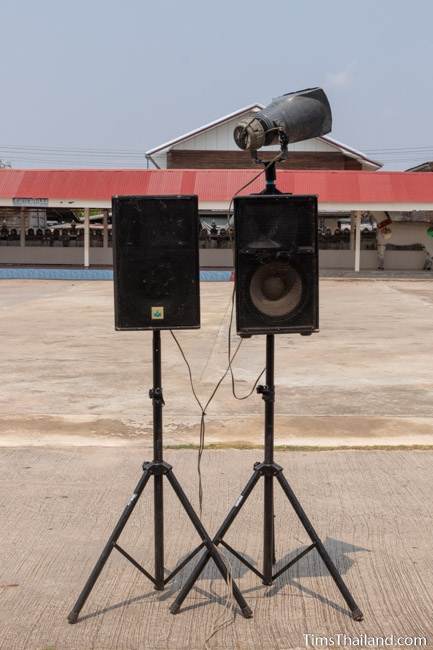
(276, 264)
(156, 263)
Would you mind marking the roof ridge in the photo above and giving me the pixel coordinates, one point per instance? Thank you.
(204, 127)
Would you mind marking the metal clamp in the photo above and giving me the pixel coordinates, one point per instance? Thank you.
(267, 393)
(155, 394)
(268, 469)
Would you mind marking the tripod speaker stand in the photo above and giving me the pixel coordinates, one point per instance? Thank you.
(269, 470)
(157, 468)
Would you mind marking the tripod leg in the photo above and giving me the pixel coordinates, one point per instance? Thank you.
(356, 612)
(192, 579)
(74, 613)
(218, 537)
(268, 530)
(159, 531)
(212, 551)
(274, 559)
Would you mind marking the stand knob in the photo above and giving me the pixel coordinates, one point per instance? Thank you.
(156, 395)
(267, 392)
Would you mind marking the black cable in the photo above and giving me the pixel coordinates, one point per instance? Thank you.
(189, 370)
(204, 408)
(203, 412)
(238, 397)
(217, 385)
(230, 356)
(262, 171)
(233, 381)
(230, 599)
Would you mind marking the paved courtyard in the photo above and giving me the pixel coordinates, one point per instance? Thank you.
(75, 426)
(365, 379)
(58, 506)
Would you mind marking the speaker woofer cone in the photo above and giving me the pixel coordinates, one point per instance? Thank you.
(276, 289)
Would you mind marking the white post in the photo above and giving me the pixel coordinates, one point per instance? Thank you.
(105, 229)
(358, 242)
(22, 228)
(352, 230)
(86, 238)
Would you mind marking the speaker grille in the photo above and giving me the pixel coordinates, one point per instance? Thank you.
(156, 265)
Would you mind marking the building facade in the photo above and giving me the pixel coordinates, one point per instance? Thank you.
(399, 203)
(369, 219)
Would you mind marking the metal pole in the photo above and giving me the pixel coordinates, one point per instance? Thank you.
(352, 230)
(269, 402)
(22, 227)
(157, 401)
(268, 525)
(358, 242)
(86, 238)
(105, 229)
(271, 177)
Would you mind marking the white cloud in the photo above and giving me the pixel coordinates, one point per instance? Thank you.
(340, 78)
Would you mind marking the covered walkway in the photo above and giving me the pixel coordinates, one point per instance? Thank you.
(351, 193)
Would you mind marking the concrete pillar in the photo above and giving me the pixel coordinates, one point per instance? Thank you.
(105, 229)
(358, 242)
(352, 230)
(381, 239)
(22, 227)
(86, 238)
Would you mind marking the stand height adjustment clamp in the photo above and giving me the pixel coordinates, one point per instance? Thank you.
(267, 393)
(156, 468)
(156, 395)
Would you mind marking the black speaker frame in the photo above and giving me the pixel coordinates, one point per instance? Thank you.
(157, 324)
(299, 259)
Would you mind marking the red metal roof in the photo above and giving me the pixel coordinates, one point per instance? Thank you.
(215, 185)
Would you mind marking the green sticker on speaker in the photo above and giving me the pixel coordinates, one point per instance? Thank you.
(157, 313)
(430, 231)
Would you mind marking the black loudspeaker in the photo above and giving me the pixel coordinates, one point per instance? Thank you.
(276, 263)
(156, 262)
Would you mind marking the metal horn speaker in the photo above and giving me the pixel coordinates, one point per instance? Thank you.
(295, 116)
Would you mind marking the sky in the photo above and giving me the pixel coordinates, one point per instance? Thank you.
(98, 82)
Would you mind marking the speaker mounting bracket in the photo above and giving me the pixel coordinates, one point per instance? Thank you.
(270, 168)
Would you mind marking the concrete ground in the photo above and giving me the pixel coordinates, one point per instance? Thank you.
(75, 426)
(58, 506)
(365, 379)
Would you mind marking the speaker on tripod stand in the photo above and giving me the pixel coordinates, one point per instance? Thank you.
(276, 277)
(276, 261)
(156, 287)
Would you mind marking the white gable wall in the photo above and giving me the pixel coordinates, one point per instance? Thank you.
(220, 138)
(160, 159)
